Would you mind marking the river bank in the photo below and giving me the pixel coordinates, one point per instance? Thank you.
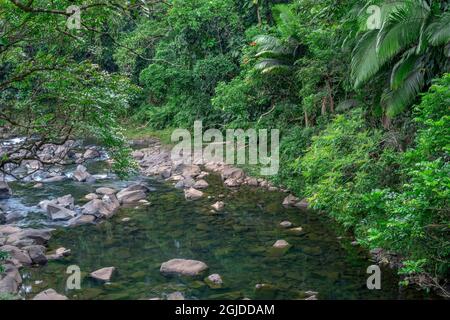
(255, 240)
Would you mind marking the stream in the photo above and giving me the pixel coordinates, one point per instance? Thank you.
(235, 243)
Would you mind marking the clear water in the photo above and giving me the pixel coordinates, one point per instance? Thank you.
(236, 243)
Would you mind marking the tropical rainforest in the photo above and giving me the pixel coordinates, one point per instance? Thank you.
(359, 89)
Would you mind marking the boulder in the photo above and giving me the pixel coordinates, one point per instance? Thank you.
(290, 201)
(66, 201)
(38, 236)
(137, 155)
(233, 173)
(191, 171)
(59, 213)
(214, 281)
(11, 280)
(49, 294)
(183, 267)
(218, 206)
(8, 229)
(82, 220)
(201, 184)
(133, 194)
(303, 204)
(101, 208)
(91, 154)
(91, 196)
(60, 253)
(104, 274)
(5, 190)
(281, 244)
(105, 191)
(232, 183)
(20, 255)
(253, 182)
(81, 174)
(185, 183)
(36, 253)
(192, 194)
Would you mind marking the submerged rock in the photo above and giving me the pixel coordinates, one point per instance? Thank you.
(286, 224)
(281, 244)
(49, 294)
(176, 296)
(218, 206)
(214, 281)
(183, 267)
(104, 274)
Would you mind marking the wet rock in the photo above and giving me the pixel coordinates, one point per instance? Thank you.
(11, 280)
(185, 183)
(191, 171)
(37, 254)
(5, 190)
(82, 220)
(59, 213)
(132, 194)
(233, 173)
(105, 191)
(296, 231)
(91, 153)
(81, 174)
(286, 224)
(54, 179)
(176, 296)
(101, 208)
(49, 294)
(281, 244)
(201, 184)
(192, 194)
(232, 183)
(253, 182)
(104, 274)
(303, 204)
(290, 201)
(91, 196)
(218, 206)
(60, 253)
(20, 255)
(38, 236)
(13, 217)
(183, 267)
(214, 281)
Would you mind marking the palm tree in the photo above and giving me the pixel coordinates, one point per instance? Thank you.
(279, 54)
(413, 42)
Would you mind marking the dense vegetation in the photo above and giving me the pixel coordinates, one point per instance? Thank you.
(363, 110)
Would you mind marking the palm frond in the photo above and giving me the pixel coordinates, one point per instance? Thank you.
(365, 62)
(403, 68)
(400, 29)
(399, 99)
(438, 32)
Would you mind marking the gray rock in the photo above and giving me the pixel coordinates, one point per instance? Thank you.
(214, 281)
(185, 183)
(5, 190)
(281, 244)
(37, 254)
(290, 201)
(39, 236)
(201, 184)
(49, 294)
(233, 173)
(103, 274)
(192, 194)
(59, 213)
(176, 296)
(11, 280)
(105, 191)
(218, 206)
(183, 267)
(132, 194)
(286, 224)
(81, 174)
(82, 220)
(91, 154)
(20, 255)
